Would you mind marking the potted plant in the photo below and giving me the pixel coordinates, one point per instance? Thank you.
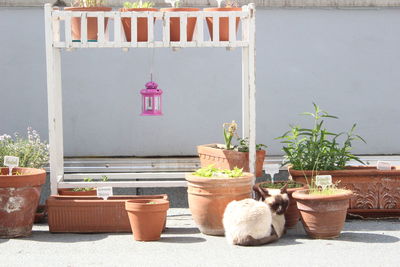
(292, 214)
(230, 5)
(210, 190)
(174, 22)
(20, 191)
(147, 217)
(83, 191)
(142, 27)
(87, 6)
(228, 156)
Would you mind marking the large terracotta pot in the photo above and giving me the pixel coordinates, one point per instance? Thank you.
(228, 159)
(292, 214)
(147, 218)
(376, 192)
(19, 199)
(86, 214)
(223, 22)
(71, 192)
(142, 27)
(323, 216)
(208, 198)
(91, 23)
(174, 24)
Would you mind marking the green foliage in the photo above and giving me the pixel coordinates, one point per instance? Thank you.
(138, 4)
(243, 146)
(279, 185)
(104, 178)
(31, 151)
(318, 148)
(88, 3)
(212, 172)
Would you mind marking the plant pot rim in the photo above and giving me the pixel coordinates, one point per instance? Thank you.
(215, 146)
(33, 177)
(222, 9)
(30, 172)
(303, 195)
(138, 9)
(142, 205)
(289, 190)
(94, 8)
(194, 178)
(348, 171)
(179, 9)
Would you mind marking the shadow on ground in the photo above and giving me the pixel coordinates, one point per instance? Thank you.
(181, 230)
(367, 238)
(45, 236)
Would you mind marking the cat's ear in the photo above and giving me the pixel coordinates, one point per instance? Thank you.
(260, 193)
(284, 189)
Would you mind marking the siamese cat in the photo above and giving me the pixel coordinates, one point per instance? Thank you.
(250, 222)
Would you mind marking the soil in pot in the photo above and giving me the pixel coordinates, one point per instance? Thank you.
(223, 22)
(19, 199)
(292, 214)
(92, 29)
(147, 218)
(208, 198)
(175, 24)
(323, 216)
(142, 27)
(71, 192)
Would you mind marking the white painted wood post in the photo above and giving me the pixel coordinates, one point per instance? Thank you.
(54, 99)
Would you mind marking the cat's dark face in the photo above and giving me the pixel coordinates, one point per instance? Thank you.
(278, 202)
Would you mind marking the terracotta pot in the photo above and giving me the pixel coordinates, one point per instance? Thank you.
(70, 192)
(292, 214)
(147, 217)
(323, 216)
(142, 27)
(223, 22)
(19, 199)
(376, 192)
(91, 23)
(174, 24)
(85, 214)
(228, 159)
(208, 198)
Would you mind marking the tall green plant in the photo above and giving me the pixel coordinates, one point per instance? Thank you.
(88, 3)
(317, 148)
(138, 4)
(229, 132)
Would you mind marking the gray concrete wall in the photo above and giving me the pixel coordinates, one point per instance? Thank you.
(348, 61)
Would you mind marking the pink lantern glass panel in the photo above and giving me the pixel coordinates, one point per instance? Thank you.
(151, 100)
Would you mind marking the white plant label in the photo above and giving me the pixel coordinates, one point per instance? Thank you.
(104, 192)
(11, 162)
(323, 180)
(384, 166)
(272, 169)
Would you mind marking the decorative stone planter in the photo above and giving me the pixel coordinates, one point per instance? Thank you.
(208, 198)
(228, 159)
(85, 214)
(376, 192)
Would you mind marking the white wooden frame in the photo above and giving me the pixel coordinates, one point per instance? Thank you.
(55, 41)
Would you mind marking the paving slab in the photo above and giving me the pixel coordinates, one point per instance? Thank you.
(362, 243)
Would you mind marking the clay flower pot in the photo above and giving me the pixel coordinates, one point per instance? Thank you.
(147, 218)
(375, 191)
(323, 216)
(71, 192)
(19, 199)
(208, 198)
(142, 27)
(223, 22)
(292, 214)
(228, 159)
(174, 24)
(91, 23)
(41, 214)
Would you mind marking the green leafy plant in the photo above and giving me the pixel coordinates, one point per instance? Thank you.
(212, 172)
(138, 4)
(244, 145)
(230, 132)
(32, 152)
(279, 185)
(88, 3)
(151, 202)
(104, 178)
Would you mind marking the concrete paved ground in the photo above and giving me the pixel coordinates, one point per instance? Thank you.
(362, 243)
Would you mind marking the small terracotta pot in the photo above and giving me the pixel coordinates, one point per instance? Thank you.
(41, 214)
(142, 27)
(292, 214)
(19, 199)
(91, 23)
(70, 192)
(228, 159)
(147, 218)
(223, 22)
(174, 24)
(323, 216)
(208, 198)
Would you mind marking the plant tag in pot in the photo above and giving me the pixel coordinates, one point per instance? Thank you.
(323, 181)
(272, 169)
(104, 192)
(384, 165)
(11, 162)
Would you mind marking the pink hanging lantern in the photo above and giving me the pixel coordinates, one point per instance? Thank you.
(151, 100)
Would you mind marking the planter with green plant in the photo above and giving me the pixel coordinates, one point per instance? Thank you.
(142, 27)
(87, 6)
(20, 191)
(84, 191)
(228, 155)
(317, 151)
(210, 190)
